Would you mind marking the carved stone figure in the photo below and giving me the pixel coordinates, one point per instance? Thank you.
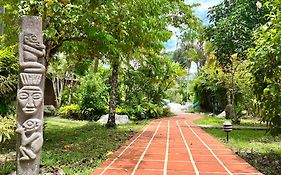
(33, 46)
(32, 50)
(31, 138)
(30, 98)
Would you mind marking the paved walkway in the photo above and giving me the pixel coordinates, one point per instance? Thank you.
(174, 146)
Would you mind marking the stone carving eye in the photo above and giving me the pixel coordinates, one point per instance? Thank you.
(36, 96)
(29, 123)
(23, 96)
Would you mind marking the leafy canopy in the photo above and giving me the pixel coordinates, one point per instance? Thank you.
(266, 67)
(232, 25)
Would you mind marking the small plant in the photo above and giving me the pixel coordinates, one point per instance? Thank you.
(121, 110)
(167, 112)
(69, 111)
(7, 128)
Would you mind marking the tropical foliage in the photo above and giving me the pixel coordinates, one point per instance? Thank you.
(8, 79)
(111, 31)
(93, 105)
(107, 56)
(233, 23)
(146, 82)
(266, 67)
(7, 128)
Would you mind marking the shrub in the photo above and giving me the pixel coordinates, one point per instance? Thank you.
(70, 111)
(145, 86)
(149, 109)
(7, 127)
(121, 110)
(167, 112)
(208, 89)
(8, 80)
(93, 96)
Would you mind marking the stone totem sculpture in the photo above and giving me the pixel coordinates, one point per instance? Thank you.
(30, 96)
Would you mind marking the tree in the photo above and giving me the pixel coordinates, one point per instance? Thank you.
(194, 47)
(61, 27)
(237, 81)
(111, 29)
(217, 89)
(127, 26)
(265, 59)
(9, 20)
(146, 82)
(60, 21)
(2, 10)
(232, 25)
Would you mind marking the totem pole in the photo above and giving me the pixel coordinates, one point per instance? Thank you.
(30, 96)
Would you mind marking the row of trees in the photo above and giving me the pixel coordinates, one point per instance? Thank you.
(242, 72)
(120, 44)
(125, 35)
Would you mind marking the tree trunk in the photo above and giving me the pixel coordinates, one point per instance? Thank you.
(96, 65)
(114, 78)
(229, 110)
(198, 68)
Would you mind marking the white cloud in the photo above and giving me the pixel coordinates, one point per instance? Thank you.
(171, 44)
(202, 10)
(205, 4)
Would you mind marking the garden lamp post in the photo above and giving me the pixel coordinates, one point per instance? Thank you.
(227, 127)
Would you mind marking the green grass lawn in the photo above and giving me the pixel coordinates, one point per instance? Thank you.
(246, 139)
(209, 120)
(76, 147)
(256, 146)
(249, 140)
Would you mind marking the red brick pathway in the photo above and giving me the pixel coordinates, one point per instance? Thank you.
(174, 146)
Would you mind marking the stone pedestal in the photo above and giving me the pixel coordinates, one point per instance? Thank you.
(30, 96)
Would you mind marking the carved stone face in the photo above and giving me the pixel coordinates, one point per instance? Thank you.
(30, 98)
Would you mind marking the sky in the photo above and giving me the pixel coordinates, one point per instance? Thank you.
(200, 11)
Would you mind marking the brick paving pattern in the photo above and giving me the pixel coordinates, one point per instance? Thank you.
(174, 146)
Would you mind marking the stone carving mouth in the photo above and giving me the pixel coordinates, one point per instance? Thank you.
(29, 110)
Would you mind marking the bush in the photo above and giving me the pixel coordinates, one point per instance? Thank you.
(167, 112)
(70, 111)
(121, 110)
(153, 110)
(7, 127)
(145, 86)
(92, 96)
(149, 109)
(8, 80)
(208, 89)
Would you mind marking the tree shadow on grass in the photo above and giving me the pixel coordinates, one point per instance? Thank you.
(77, 149)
